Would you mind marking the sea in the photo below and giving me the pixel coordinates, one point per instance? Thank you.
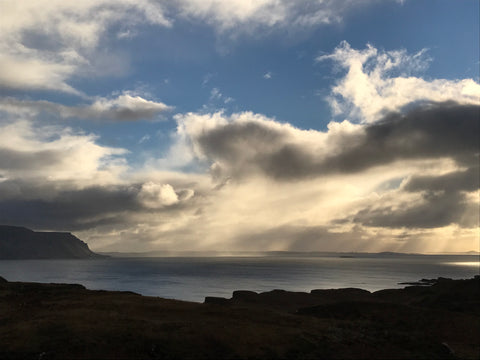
(194, 278)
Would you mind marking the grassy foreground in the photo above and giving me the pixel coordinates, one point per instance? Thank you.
(58, 321)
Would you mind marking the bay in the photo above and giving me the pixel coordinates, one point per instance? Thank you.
(194, 278)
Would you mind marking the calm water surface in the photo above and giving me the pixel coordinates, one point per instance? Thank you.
(193, 278)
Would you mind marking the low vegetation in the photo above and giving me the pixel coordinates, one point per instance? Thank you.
(57, 321)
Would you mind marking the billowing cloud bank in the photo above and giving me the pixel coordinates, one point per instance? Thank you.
(407, 182)
(407, 176)
(398, 171)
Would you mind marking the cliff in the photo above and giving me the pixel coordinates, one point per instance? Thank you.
(22, 243)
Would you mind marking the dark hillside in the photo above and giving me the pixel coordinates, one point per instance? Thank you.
(59, 321)
(22, 243)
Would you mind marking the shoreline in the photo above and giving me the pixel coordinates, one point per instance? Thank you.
(192, 279)
(437, 321)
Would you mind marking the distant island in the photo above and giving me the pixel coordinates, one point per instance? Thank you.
(22, 243)
(217, 253)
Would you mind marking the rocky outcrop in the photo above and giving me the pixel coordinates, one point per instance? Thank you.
(22, 243)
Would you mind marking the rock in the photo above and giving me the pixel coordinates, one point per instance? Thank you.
(244, 295)
(216, 300)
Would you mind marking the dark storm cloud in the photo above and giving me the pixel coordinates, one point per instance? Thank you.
(444, 202)
(45, 207)
(247, 147)
(465, 180)
(232, 141)
(23, 160)
(431, 131)
(65, 210)
(436, 210)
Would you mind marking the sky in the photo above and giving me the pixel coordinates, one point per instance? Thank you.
(242, 125)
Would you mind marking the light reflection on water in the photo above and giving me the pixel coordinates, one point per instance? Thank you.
(464, 263)
(193, 278)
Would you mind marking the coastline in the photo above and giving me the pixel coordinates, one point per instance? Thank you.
(191, 279)
(68, 321)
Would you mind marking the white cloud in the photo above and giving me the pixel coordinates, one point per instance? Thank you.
(18, 73)
(206, 79)
(228, 14)
(56, 154)
(124, 107)
(267, 75)
(379, 81)
(44, 43)
(154, 195)
(144, 138)
(247, 15)
(215, 94)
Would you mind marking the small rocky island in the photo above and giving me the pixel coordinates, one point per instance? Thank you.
(22, 243)
(60, 321)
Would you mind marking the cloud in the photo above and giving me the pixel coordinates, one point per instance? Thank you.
(66, 209)
(245, 144)
(144, 139)
(454, 181)
(18, 73)
(215, 94)
(412, 170)
(430, 131)
(125, 107)
(216, 98)
(437, 201)
(56, 153)
(378, 82)
(401, 174)
(29, 203)
(206, 79)
(247, 16)
(44, 43)
(430, 210)
(417, 195)
(154, 195)
(267, 75)
(55, 178)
